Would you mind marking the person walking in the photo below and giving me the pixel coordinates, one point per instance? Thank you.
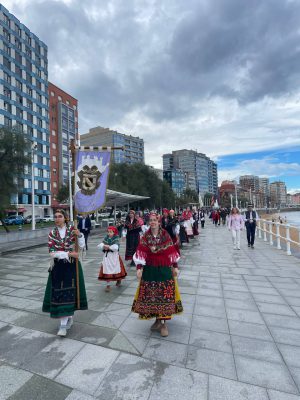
(202, 218)
(132, 233)
(235, 224)
(250, 222)
(112, 267)
(157, 295)
(84, 225)
(60, 299)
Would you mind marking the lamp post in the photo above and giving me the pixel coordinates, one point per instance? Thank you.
(33, 147)
(236, 199)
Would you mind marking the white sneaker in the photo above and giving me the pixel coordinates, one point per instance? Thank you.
(62, 331)
(69, 323)
(234, 247)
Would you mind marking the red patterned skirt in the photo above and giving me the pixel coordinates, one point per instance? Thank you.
(157, 295)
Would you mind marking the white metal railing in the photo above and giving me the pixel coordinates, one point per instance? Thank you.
(267, 230)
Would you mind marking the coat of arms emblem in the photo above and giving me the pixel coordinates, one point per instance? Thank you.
(89, 180)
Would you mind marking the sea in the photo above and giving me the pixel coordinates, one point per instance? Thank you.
(292, 217)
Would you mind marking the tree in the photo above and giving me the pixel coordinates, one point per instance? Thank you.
(14, 156)
(63, 194)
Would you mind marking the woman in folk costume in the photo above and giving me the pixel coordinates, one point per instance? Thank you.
(112, 267)
(156, 259)
(132, 233)
(172, 227)
(60, 298)
(187, 217)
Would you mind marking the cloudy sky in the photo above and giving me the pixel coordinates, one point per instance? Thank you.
(218, 76)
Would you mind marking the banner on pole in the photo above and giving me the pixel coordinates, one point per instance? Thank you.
(91, 175)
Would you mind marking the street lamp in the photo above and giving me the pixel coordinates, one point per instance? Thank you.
(33, 148)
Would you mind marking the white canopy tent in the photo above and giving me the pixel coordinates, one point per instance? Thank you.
(121, 199)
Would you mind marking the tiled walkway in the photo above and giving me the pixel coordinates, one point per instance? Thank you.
(238, 339)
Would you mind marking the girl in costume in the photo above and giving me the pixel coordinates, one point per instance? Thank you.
(156, 259)
(60, 298)
(112, 267)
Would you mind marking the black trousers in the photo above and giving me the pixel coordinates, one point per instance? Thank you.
(86, 235)
(251, 233)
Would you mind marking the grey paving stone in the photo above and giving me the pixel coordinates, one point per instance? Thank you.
(129, 378)
(211, 362)
(265, 374)
(268, 298)
(92, 334)
(226, 389)
(264, 290)
(177, 333)
(120, 342)
(275, 309)
(218, 312)
(286, 336)
(10, 315)
(275, 395)
(11, 379)
(86, 316)
(166, 351)
(139, 342)
(178, 384)
(210, 323)
(86, 371)
(228, 294)
(210, 292)
(41, 388)
(254, 348)
(291, 354)
(241, 304)
(293, 301)
(250, 330)
(184, 319)
(296, 375)
(283, 321)
(209, 301)
(135, 325)
(244, 315)
(76, 395)
(236, 288)
(210, 340)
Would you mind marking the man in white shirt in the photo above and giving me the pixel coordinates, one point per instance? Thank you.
(250, 222)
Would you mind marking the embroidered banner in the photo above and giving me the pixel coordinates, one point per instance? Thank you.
(91, 175)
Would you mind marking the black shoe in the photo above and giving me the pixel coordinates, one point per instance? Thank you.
(252, 247)
(248, 244)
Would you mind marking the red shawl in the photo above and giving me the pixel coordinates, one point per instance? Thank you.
(157, 251)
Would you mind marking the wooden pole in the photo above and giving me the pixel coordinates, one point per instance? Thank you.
(73, 153)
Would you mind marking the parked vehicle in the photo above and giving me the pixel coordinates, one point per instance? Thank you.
(28, 219)
(47, 218)
(14, 220)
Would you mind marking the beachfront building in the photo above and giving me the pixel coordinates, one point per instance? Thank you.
(278, 194)
(24, 106)
(133, 146)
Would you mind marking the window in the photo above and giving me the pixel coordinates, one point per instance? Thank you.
(28, 78)
(41, 185)
(28, 39)
(7, 107)
(19, 84)
(29, 130)
(7, 49)
(39, 122)
(19, 99)
(7, 77)
(52, 94)
(28, 52)
(6, 20)
(18, 71)
(53, 133)
(39, 85)
(19, 113)
(39, 73)
(54, 184)
(39, 97)
(54, 171)
(19, 126)
(7, 92)
(28, 65)
(37, 48)
(18, 30)
(18, 44)
(7, 121)
(6, 35)
(29, 91)
(53, 146)
(38, 61)
(6, 63)
(29, 104)
(53, 158)
(29, 117)
(18, 57)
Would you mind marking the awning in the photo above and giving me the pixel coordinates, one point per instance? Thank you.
(22, 209)
(121, 199)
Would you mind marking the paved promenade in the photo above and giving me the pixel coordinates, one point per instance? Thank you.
(238, 338)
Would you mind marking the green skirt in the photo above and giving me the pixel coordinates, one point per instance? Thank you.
(60, 298)
(157, 295)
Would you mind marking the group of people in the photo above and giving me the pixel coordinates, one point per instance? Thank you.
(154, 251)
(236, 223)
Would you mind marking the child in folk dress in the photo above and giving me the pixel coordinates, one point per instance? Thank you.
(112, 267)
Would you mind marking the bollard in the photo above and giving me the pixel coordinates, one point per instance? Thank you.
(259, 230)
(271, 233)
(288, 243)
(278, 236)
(265, 232)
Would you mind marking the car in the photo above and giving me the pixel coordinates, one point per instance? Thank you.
(47, 218)
(14, 220)
(28, 219)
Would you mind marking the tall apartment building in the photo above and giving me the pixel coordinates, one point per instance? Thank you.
(63, 112)
(264, 188)
(176, 179)
(24, 104)
(248, 182)
(133, 146)
(278, 194)
(200, 172)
